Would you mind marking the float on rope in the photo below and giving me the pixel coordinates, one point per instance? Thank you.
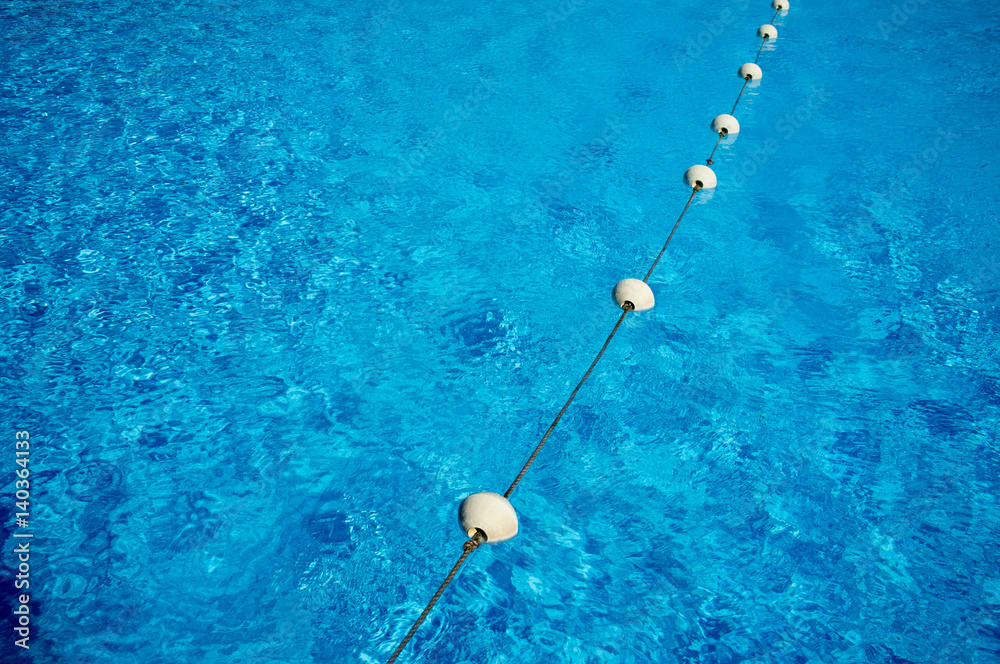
(767, 31)
(725, 124)
(750, 72)
(700, 176)
(489, 513)
(635, 292)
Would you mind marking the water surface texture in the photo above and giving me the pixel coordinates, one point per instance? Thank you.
(284, 281)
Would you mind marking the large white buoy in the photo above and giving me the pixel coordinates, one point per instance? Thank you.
(635, 291)
(489, 512)
(700, 175)
(751, 70)
(779, 4)
(725, 124)
(767, 30)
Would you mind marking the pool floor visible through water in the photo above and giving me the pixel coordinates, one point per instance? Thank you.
(284, 282)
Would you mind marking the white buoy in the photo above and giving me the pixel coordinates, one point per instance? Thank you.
(751, 70)
(779, 4)
(725, 124)
(700, 175)
(767, 30)
(489, 512)
(635, 291)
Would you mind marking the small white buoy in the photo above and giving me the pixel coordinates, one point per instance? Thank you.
(635, 291)
(489, 512)
(751, 70)
(779, 4)
(725, 124)
(700, 175)
(767, 30)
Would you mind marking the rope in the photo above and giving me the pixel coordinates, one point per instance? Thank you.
(628, 306)
(722, 134)
(748, 78)
(472, 544)
(760, 49)
(468, 548)
(697, 188)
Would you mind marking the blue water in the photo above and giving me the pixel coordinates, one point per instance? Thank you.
(283, 282)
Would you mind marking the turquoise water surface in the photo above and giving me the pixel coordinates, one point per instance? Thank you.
(284, 281)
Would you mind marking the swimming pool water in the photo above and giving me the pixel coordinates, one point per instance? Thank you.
(283, 282)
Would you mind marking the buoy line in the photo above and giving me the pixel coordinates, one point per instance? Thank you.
(489, 517)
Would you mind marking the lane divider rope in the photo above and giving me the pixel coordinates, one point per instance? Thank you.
(489, 517)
